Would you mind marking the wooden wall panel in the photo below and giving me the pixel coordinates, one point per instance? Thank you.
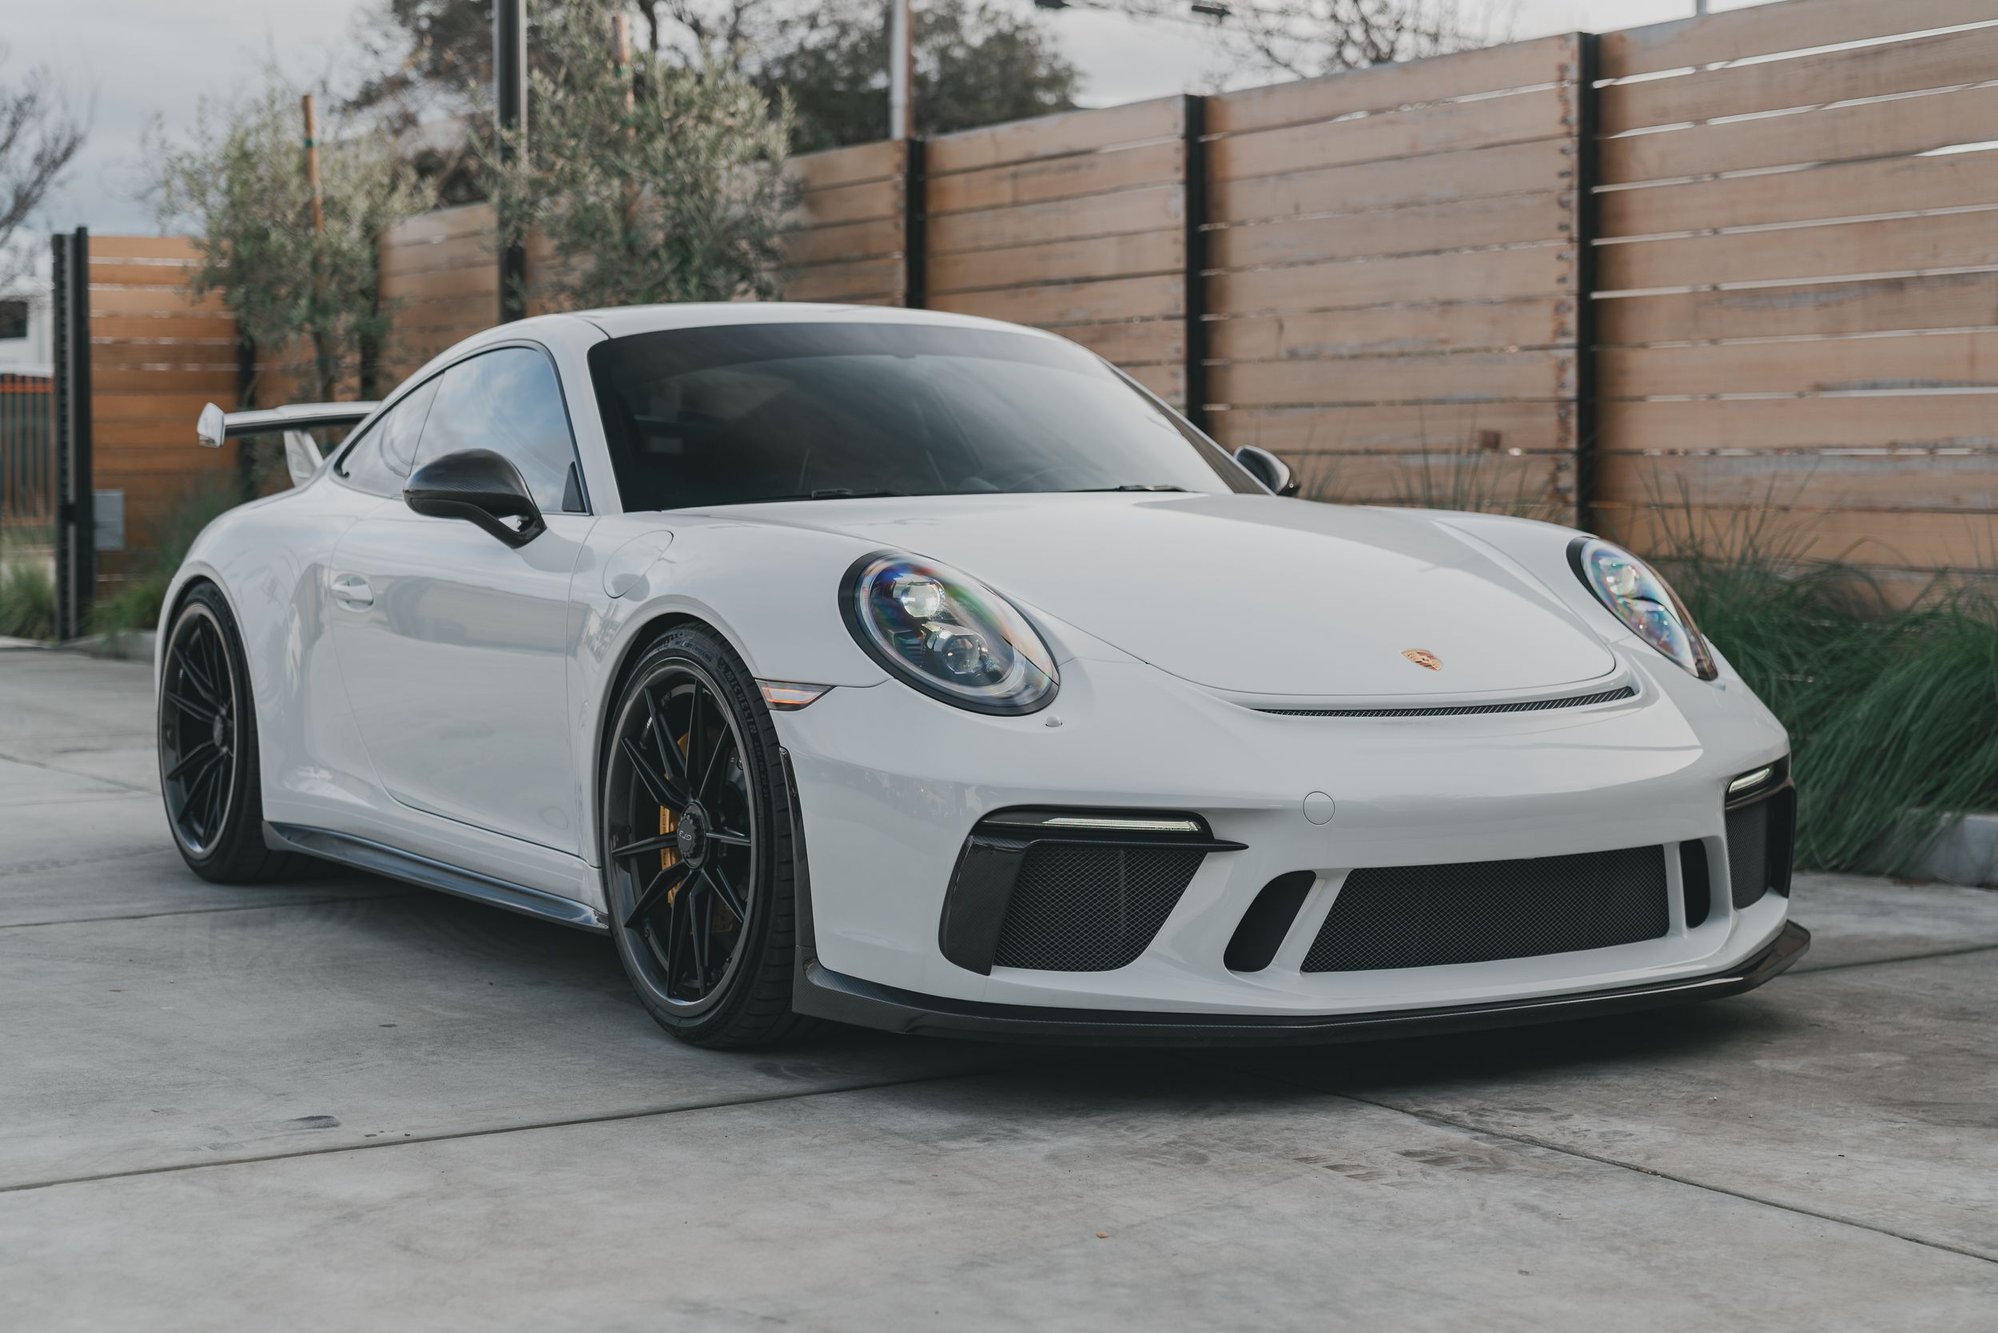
(1075, 223)
(1767, 29)
(157, 355)
(440, 281)
(1794, 253)
(1393, 275)
(1799, 331)
(847, 236)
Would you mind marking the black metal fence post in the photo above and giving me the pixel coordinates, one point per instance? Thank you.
(76, 515)
(510, 97)
(915, 239)
(1587, 209)
(1194, 199)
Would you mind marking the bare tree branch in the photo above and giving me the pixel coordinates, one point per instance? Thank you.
(1304, 38)
(39, 137)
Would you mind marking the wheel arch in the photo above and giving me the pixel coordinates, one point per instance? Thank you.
(638, 641)
(185, 582)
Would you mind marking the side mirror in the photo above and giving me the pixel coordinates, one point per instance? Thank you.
(480, 487)
(1267, 468)
(211, 427)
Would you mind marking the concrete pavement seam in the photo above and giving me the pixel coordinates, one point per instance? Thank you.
(1436, 1118)
(608, 1117)
(77, 773)
(1806, 971)
(206, 911)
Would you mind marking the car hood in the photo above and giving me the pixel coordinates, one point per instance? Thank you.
(1250, 594)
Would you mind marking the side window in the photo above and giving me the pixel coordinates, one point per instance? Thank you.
(379, 461)
(508, 401)
(399, 429)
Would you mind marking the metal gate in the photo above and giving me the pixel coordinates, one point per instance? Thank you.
(75, 507)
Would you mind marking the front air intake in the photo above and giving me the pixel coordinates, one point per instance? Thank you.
(1480, 911)
(1078, 908)
(1069, 890)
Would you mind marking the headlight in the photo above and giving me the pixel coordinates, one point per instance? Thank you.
(1643, 601)
(947, 634)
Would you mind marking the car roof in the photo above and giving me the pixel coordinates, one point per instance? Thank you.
(622, 321)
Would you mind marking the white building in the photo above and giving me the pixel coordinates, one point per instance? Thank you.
(27, 338)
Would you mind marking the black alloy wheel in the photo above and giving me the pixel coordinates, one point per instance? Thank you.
(697, 845)
(209, 772)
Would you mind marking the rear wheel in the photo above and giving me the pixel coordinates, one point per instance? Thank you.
(697, 846)
(209, 774)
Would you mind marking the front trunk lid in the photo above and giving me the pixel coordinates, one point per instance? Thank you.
(1250, 594)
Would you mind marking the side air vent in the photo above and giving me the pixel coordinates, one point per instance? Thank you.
(1069, 890)
(1464, 710)
(1698, 881)
(1268, 920)
(1759, 847)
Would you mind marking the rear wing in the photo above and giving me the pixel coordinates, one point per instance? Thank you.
(301, 455)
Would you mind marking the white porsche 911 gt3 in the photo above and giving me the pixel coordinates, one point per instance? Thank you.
(925, 672)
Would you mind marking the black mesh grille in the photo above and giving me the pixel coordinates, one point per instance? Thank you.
(1078, 908)
(1421, 916)
(1748, 852)
(1460, 710)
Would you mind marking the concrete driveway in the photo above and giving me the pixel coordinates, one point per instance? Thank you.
(345, 1104)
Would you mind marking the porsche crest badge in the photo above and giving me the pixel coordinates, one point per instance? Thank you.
(1423, 658)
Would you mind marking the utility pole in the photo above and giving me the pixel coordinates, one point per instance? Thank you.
(510, 97)
(901, 71)
(312, 166)
(322, 349)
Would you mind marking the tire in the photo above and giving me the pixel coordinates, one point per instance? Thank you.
(697, 845)
(206, 728)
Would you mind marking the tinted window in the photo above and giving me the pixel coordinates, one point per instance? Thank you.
(379, 461)
(736, 414)
(508, 401)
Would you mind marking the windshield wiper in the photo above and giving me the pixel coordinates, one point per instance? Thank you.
(1127, 486)
(825, 493)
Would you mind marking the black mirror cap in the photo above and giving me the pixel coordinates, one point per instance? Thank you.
(481, 487)
(1267, 468)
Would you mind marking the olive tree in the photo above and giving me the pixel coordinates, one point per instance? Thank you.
(238, 183)
(647, 182)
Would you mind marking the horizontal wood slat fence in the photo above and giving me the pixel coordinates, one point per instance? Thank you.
(1671, 282)
(156, 356)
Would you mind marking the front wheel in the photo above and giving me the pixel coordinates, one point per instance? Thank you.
(209, 771)
(696, 836)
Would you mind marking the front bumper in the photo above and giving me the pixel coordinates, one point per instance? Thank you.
(890, 784)
(827, 994)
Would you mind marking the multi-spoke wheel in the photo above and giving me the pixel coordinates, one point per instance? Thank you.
(697, 845)
(208, 746)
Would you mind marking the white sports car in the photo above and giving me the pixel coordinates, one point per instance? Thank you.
(925, 672)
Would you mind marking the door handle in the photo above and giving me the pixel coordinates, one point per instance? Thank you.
(352, 591)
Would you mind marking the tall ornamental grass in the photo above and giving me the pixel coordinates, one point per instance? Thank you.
(1891, 701)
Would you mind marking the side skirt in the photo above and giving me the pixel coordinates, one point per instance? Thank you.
(381, 859)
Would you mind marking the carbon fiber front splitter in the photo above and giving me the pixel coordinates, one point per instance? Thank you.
(827, 994)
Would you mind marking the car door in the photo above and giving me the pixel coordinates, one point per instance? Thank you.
(453, 645)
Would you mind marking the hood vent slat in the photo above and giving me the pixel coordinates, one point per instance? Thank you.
(1460, 710)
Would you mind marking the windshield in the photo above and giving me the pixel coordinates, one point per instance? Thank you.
(741, 413)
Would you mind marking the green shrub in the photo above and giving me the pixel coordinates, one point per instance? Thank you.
(1892, 706)
(27, 594)
(135, 604)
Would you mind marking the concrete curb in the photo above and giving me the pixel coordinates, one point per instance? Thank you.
(1964, 852)
(125, 645)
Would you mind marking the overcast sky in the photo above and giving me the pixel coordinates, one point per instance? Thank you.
(136, 60)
